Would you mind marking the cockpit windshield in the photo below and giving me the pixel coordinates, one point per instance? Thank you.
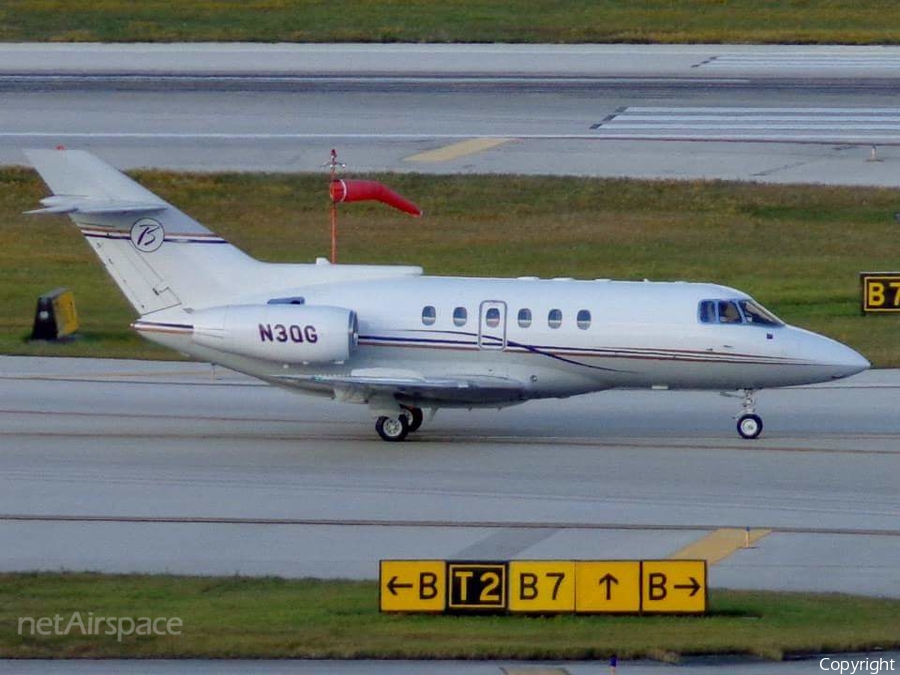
(736, 311)
(756, 313)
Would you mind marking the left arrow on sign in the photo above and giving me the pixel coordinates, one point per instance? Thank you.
(412, 586)
(392, 585)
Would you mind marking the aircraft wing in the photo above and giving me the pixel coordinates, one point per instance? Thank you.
(363, 383)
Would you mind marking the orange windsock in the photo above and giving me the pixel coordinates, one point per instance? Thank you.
(359, 190)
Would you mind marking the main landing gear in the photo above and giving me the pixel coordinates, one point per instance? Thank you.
(392, 429)
(395, 428)
(749, 424)
(416, 417)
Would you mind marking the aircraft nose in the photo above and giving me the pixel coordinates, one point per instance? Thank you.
(853, 362)
(829, 359)
(840, 359)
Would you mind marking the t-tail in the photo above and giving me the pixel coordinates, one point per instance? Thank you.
(163, 259)
(159, 257)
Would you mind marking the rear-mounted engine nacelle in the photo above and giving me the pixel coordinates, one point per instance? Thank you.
(285, 333)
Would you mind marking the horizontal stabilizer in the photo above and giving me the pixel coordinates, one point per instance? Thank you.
(92, 192)
(67, 204)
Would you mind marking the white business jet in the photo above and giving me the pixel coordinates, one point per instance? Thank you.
(404, 343)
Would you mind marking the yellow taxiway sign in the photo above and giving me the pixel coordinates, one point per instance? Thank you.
(412, 585)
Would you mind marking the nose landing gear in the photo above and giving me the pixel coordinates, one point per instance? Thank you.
(749, 424)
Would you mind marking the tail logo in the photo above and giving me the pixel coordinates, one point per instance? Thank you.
(147, 235)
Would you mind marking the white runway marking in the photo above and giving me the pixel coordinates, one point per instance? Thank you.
(274, 106)
(825, 125)
(793, 61)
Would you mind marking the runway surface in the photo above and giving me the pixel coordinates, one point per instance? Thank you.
(169, 467)
(774, 114)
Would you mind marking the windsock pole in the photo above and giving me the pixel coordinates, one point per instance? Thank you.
(334, 233)
(334, 166)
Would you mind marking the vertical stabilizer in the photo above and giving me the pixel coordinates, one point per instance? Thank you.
(158, 256)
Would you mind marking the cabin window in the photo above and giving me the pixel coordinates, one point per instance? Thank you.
(583, 319)
(554, 318)
(460, 316)
(429, 315)
(524, 318)
(492, 317)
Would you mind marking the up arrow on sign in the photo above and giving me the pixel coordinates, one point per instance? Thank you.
(608, 580)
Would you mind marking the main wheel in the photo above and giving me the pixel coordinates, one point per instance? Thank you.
(392, 429)
(416, 417)
(750, 426)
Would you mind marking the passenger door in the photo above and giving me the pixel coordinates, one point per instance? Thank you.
(492, 325)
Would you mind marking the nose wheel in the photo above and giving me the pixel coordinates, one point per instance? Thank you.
(749, 424)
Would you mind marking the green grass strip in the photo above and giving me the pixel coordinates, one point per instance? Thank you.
(236, 617)
(797, 249)
(575, 21)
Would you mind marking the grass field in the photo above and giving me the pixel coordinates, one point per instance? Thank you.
(237, 617)
(668, 21)
(797, 249)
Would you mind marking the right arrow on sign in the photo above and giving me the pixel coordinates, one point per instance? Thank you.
(673, 586)
(608, 580)
(694, 586)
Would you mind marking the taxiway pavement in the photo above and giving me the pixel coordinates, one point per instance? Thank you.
(173, 467)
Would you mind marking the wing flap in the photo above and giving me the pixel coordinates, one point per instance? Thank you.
(364, 383)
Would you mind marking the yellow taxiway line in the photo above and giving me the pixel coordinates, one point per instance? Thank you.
(720, 544)
(457, 150)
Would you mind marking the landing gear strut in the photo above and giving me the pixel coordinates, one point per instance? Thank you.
(749, 424)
